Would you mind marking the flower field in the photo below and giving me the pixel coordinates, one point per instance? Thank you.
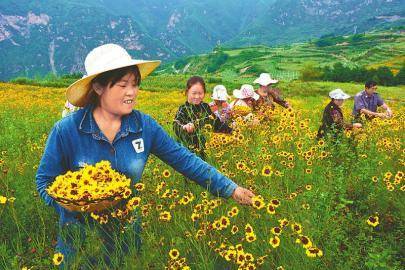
(318, 205)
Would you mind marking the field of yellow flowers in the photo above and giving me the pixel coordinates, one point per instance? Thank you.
(318, 205)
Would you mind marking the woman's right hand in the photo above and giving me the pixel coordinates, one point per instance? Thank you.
(242, 195)
(189, 128)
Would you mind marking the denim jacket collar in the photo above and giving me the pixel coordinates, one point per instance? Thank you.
(129, 123)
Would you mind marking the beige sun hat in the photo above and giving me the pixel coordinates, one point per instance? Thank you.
(265, 79)
(246, 91)
(101, 59)
(220, 93)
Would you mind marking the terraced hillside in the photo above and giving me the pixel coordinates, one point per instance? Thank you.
(370, 50)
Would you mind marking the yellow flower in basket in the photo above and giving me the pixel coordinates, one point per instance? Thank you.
(241, 110)
(91, 189)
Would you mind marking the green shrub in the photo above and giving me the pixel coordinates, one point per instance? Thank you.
(310, 73)
(216, 61)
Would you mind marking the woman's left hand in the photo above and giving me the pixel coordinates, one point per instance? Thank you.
(242, 195)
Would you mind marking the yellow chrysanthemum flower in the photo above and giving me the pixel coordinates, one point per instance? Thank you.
(274, 241)
(313, 252)
(373, 221)
(258, 202)
(174, 254)
(3, 200)
(165, 216)
(267, 171)
(57, 258)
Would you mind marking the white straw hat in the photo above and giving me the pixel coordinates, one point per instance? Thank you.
(338, 94)
(265, 79)
(220, 93)
(101, 59)
(246, 91)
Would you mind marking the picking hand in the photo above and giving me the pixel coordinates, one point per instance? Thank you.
(381, 115)
(189, 128)
(357, 125)
(255, 122)
(243, 196)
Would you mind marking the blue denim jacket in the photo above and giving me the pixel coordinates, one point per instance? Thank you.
(76, 140)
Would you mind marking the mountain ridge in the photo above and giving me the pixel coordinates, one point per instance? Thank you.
(38, 37)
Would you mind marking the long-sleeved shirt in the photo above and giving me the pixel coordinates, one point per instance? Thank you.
(332, 120)
(199, 115)
(364, 101)
(76, 140)
(273, 96)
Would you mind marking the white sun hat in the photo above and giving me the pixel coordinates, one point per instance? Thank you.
(220, 93)
(246, 91)
(101, 59)
(265, 79)
(338, 94)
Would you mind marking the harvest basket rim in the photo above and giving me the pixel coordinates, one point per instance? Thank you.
(84, 202)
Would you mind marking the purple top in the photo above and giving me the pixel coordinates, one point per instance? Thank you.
(364, 101)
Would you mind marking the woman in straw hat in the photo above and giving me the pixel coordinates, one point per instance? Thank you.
(332, 120)
(220, 107)
(243, 104)
(268, 95)
(245, 96)
(107, 128)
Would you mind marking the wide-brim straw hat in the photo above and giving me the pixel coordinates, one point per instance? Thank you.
(220, 93)
(246, 91)
(101, 59)
(265, 79)
(338, 94)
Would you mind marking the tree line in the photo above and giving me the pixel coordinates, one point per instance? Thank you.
(383, 75)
